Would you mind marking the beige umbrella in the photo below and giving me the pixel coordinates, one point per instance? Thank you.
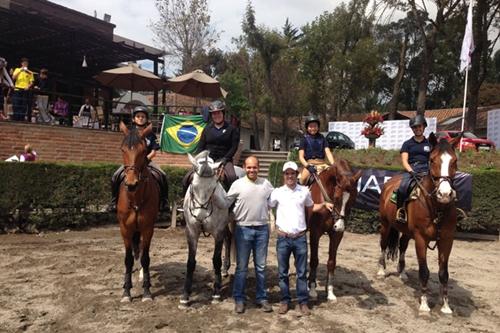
(131, 78)
(196, 84)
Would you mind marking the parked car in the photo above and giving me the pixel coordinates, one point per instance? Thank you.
(470, 141)
(339, 140)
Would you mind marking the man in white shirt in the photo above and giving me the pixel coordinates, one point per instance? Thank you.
(291, 200)
(250, 194)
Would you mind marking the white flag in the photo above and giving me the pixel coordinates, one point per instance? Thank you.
(468, 42)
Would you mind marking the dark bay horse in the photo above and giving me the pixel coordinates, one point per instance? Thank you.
(430, 217)
(340, 185)
(137, 207)
(205, 211)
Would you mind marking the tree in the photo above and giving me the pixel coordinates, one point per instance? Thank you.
(268, 45)
(184, 30)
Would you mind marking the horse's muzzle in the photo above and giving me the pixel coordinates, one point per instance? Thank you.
(445, 193)
(132, 187)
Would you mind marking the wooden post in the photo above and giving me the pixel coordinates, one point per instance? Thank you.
(173, 221)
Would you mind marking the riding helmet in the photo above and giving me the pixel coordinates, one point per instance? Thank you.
(418, 120)
(142, 109)
(312, 119)
(217, 105)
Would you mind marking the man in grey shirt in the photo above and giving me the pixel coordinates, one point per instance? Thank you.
(250, 195)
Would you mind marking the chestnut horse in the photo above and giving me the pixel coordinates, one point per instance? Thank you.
(430, 217)
(340, 187)
(137, 207)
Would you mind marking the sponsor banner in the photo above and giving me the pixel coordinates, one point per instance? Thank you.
(372, 182)
(493, 129)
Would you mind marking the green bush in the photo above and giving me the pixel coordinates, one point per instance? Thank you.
(484, 216)
(55, 196)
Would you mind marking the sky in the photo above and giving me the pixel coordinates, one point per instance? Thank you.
(133, 17)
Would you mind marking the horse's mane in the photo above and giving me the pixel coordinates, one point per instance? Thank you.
(132, 138)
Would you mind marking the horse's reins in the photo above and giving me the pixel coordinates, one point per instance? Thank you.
(326, 196)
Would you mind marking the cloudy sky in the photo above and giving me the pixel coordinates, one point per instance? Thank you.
(132, 17)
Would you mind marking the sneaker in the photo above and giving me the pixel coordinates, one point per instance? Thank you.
(265, 306)
(239, 307)
(304, 309)
(283, 308)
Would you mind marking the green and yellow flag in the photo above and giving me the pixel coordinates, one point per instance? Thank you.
(180, 134)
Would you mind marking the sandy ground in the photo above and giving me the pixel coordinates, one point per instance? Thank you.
(71, 282)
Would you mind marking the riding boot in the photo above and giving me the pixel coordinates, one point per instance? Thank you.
(164, 206)
(401, 210)
(115, 187)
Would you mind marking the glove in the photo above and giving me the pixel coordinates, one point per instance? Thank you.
(312, 169)
(223, 161)
(413, 174)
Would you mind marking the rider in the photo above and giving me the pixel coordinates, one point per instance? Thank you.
(415, 154)
(313, 149)
(221, 139)
(140, 118)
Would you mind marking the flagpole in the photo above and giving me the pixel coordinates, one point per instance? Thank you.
(465, 102)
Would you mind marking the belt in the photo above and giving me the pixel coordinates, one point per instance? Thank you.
(291, 236)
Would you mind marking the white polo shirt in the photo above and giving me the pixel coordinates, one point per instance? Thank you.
(290, 217)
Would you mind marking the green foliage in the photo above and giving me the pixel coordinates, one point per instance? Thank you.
(57, 196)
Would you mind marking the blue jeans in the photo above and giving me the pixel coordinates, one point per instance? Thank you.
(284, 248)
(253, 239)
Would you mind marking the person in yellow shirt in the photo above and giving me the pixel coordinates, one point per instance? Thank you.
(23, 82)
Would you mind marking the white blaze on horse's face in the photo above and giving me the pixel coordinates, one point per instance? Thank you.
(444, 192)
(339, 225)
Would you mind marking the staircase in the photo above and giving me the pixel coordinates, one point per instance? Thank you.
(265, 159)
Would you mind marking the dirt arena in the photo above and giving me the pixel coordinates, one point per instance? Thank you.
(71, 282)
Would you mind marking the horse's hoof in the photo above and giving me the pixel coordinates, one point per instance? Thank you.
(126, 299)
(381, 273)
(332, 298)
(403, 276)
(225, 274)
(445, 309)
(184, 301)
(424, 308)
(147, 298)
(216, 299)
(313, 294)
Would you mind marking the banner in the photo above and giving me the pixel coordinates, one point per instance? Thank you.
(468, 42)
(180, 134)
(372, 182)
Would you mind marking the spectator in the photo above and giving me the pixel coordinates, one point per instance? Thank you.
(42, 89)
(23, 82)
(86, 115)
(60, 110)
(29, 154)
(5, 82)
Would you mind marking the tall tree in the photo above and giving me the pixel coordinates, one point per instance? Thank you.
(486, 20)
(268, 45)
(184, 30)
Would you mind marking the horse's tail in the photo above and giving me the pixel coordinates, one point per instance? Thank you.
(136, 239)
(393, 242)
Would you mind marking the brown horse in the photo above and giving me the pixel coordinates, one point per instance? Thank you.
(430, 217)
(339, 183)
(137, 207)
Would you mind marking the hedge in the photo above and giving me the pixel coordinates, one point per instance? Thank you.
(484, 217)
(54, 195)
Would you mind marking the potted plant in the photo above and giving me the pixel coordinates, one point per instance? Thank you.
(373, 129)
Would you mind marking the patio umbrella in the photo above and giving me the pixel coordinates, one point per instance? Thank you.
(196, 84)
(130, 77)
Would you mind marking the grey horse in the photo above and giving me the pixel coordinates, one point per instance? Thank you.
(205, 211)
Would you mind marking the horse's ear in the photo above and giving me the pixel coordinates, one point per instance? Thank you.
(456, 140)
(147, 130)
(123, 128)
(433, 139)
(192, 160)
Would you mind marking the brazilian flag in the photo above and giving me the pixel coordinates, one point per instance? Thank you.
(180, 134)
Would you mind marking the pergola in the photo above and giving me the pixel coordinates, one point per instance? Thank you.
(59, 38)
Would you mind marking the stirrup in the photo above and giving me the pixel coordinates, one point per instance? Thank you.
(401, 215)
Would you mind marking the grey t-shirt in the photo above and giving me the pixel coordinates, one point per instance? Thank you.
(250, 198)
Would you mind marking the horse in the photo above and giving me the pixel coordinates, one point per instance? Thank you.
(205, 211)
(430, 217)
(338, 184)
(137, 207)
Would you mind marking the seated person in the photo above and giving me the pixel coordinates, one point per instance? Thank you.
(29, 155)
(61, 110)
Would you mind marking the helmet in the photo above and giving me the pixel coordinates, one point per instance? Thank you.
(217, 105)
(312, 119)
(142, 109)
(418, 120)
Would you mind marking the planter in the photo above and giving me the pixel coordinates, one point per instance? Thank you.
(372, 136)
